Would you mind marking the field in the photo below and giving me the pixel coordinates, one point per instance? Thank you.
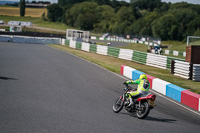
(15, 11)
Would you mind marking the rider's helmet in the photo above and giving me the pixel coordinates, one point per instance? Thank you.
(143, 76)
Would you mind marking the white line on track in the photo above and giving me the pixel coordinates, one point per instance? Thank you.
(198, 113)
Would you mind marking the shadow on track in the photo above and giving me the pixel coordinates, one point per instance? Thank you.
(6, 78)
(149, 118)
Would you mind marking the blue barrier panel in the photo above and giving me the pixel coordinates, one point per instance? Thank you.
(174, 92)
(136, 74)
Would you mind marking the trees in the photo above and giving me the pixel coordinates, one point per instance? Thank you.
(82, 15)
(177, 24)
(104, 15)
(69, 2)
(147, 4)
(141, 17)
(54, 13)
(22, 8)
(122, 20)
(165, 27)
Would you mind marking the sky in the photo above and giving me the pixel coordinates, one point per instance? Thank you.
(172, 1)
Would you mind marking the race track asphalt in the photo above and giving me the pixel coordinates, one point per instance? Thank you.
(44, 90)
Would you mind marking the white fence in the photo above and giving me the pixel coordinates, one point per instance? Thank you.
(126, 54)
(102, 50)
(182, 69)
(175, 53)
(159, 61)
(85, 47)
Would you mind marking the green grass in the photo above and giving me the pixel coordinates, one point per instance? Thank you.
(113, 64)
(175, 45)
(40, 23)
(135, 46)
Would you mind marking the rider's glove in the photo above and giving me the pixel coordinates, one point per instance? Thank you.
(125, 83)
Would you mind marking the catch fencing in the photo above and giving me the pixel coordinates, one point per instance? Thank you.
(159, 61)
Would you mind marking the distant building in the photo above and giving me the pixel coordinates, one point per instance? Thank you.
(19, 23)
(1, 22)
(37, 5)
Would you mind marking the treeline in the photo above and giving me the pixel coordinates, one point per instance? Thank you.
(140, 17)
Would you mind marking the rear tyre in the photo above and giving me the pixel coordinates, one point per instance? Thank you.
(118, 105)
(143, 113)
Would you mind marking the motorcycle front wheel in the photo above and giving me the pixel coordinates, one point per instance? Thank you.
(143, 111)
(118, 105)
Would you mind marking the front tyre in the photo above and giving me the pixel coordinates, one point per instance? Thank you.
(118, 105)
(144, 111)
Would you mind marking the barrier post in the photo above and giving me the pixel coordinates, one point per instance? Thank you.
(191, 71)
(172, 66)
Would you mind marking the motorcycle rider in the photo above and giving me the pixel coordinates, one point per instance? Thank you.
(142, 89)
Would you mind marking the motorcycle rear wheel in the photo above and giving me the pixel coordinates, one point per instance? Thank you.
(118, 105)
(143, 113)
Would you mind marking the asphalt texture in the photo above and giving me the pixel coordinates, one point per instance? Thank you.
(44, 90)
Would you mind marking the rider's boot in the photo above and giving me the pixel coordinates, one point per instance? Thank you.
(130, 102)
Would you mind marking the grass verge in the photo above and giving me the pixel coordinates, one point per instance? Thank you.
(113, 64)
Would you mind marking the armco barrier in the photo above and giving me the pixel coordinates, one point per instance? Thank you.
(85, 47)
(93, 48)
(112, 51)
(139, 57)
(72, 44)
(177, 93)
(28, 39)
(154, 60)
(126, 54)
(103, 50)
(4, 38)
(67, 42)
(78, 45)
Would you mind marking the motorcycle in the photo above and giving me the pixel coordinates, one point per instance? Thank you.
(141, 105)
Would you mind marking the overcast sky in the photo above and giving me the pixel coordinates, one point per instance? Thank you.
(173, 1)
